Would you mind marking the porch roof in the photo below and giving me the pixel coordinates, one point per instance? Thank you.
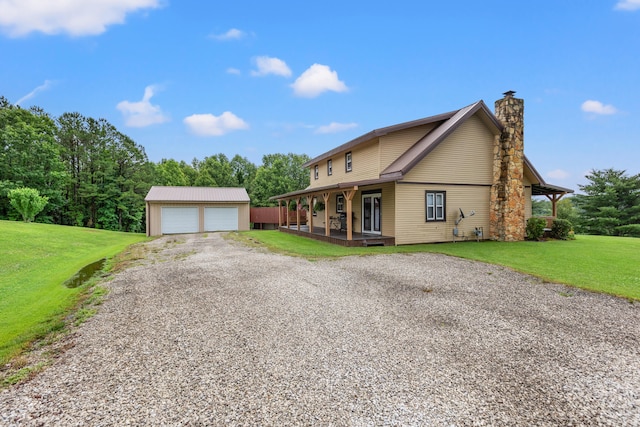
(332, 188)
(542, 188)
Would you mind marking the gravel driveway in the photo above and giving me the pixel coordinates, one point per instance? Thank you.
(211, 332)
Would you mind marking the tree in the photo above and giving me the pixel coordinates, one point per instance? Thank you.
(540, 207)
(30, 157)
(28, 202)
(171, 173)
(109, 174)
(215, 171)
(279, 174)
(243, 170)
(610, 204)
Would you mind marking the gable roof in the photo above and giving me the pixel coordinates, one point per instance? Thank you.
(426, 144)
(380, 132)
(196, 194)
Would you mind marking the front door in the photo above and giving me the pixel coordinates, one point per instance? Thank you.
(371, 213)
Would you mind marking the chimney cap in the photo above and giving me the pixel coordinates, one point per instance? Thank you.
(509, 93)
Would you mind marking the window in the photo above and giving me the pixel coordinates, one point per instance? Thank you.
(339, 203)
(329, 167)
(435, 201)
(315, 172)
(347, 162)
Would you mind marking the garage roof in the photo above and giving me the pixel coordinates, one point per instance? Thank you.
(196, 194)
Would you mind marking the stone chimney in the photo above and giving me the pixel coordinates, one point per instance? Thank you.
(507, 192)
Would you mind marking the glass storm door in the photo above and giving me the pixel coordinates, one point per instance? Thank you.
(371, 213)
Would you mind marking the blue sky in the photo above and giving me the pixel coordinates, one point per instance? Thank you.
(189, 79)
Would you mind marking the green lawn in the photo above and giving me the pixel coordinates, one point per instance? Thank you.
(35, 261)
(599, 263)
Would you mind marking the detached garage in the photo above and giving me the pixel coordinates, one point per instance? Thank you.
(180, 210)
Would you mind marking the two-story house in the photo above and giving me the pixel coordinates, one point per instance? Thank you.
(457, 175)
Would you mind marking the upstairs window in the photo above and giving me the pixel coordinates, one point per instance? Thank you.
(347, 162)
(435, 204)
(316, 172)
(329, 167)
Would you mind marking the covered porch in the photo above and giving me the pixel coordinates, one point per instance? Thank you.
(334, 229)
(551, 192)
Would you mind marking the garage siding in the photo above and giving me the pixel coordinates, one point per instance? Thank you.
(155, 212)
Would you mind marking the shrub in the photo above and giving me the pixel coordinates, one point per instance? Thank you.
(630, 230)
(560, 229)
(535, 228)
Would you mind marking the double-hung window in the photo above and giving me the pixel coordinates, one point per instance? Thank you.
(329, 167)
(347, 162)
(339, 203)
(316, 172)
(435, 204)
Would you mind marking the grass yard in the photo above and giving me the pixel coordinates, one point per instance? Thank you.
(598, 263)
(35, 261)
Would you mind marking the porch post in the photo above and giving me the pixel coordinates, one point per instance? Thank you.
(348, 195)
(310, 213)
(279, 214)
(327, 225)
(298, 213)
(287, 212)
(555, 197)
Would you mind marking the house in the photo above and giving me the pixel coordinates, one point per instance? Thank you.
(457, 175)
(177, 210)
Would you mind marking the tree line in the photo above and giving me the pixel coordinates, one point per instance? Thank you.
(93, 175)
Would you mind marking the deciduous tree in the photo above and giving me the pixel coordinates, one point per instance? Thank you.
(28, 202)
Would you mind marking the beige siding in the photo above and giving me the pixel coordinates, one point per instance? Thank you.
(527, 202)
(154, 215)
(465, 157)
(411, 224)
(395, 144)
(364, 161)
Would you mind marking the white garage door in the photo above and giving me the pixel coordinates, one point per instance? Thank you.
(221, 219)
(179, 220)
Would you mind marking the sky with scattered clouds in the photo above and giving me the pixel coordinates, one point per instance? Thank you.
(190, 79)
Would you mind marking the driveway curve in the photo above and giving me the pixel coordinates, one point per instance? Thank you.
(207, 331)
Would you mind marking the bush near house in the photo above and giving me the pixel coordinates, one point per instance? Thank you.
(535, 228)
(561, 228)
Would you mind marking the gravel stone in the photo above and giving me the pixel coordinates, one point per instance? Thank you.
(207, 331)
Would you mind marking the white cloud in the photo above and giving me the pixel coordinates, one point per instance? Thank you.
(628, 5)
(232, 70)
(317, 79)
(142, 113)
(74, 17)
(210, 125)
(232, 34)
(334, 127)
(597, 107)
(558, 174)
(268, 65)
(46, 85)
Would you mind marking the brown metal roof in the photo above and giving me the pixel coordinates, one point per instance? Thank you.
(196, 194)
